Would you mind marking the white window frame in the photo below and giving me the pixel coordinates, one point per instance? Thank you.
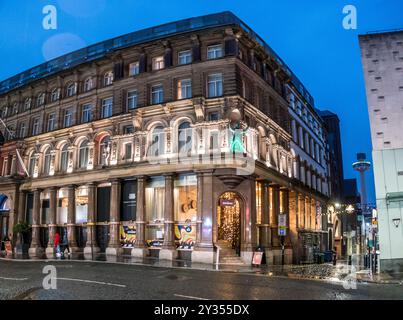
(51, 120)
(55, 95)
(88, 84)
(86, 108)
(27, 104)
(108, 78)
(125, 156)
(214, 51)
(35, 126)
(157, 93)
(134, 68)
(41, 99)
(71, 89)
(215, 79)
(132, 100)
(158, 63)
(185, 88)
(107, 107)
(67, 116)
(186, 55)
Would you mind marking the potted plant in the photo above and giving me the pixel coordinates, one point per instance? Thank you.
(21, 229)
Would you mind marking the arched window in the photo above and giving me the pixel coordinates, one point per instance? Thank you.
(31, 164)
(157, 142)
(104, 151)
(184, 138)
(108, 78)
(54, 96)
(64, 158)
(88, 84)
(27, 104)
(46, 162)
(41, 99)
(71, 89)
(83, 154)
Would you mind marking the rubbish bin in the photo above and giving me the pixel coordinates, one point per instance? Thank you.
(328, 256)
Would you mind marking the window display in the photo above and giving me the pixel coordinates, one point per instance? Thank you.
(62, 204)
(155, 205)
(81, 204)
(127, 235)
(185, 210)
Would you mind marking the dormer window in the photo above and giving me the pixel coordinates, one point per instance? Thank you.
(88, 84)
(108, 78)
(55, 95)
(15, 108)
(27, 104)
(134, 68)
(71, 89)
(41, 99)
(214, 52)
(158, 63)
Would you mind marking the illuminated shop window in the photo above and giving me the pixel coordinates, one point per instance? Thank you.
(81, 204)
(45, 208)
(185, 198)
(62, 204)
(155, 206)
(185, 210)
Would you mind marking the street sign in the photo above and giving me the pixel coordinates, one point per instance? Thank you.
(227, 202)
(282, 220)
(282, 231)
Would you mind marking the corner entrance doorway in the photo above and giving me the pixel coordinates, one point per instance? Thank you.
(229, 221)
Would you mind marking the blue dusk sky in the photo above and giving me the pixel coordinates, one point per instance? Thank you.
(308, 35)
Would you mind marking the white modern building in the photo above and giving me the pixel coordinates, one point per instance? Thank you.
(382, 59)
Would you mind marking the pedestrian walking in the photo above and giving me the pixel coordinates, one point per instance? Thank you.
(56, 241)
(334, 252)
(65, 243)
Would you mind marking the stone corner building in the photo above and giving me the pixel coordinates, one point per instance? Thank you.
(170, 141)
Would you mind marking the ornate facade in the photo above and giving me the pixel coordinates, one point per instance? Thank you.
(170, 144)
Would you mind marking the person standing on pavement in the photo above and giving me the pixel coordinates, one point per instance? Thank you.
(65, 242)
(334, 252)
(56, 241)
